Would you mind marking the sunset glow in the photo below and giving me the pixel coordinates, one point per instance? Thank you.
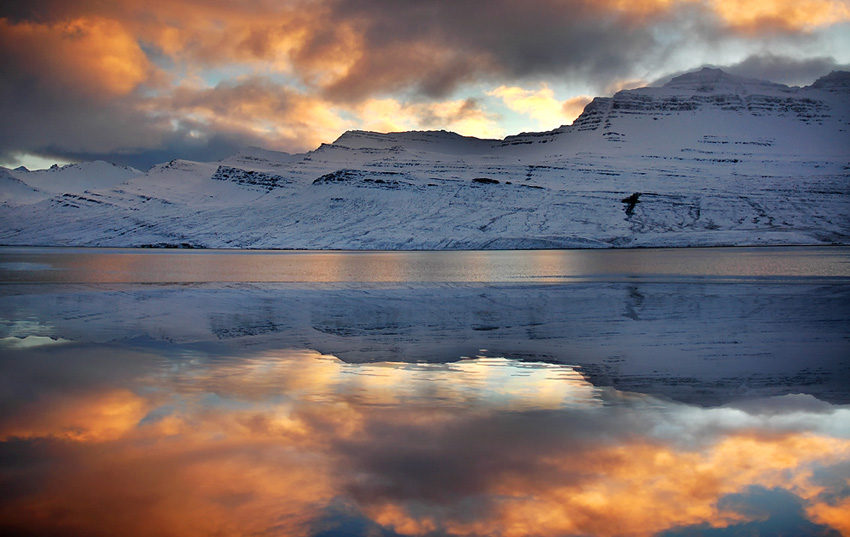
(289, 434)
(127, 80)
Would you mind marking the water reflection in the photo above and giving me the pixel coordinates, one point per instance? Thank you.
(117, 439)
(411, 408)
(115, 265)
(706, 344)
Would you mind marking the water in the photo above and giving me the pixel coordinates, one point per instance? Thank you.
(112, 265)
(650, 392)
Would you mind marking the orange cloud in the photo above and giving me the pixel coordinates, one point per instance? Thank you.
(236, 482)
(624, 84)
(267, 443)
(835, 514)
(750, 15)
(351, 53)
(541, 104)
(794, 15)
(461, 116)
(91, 418)
(572, 108)
(90, 55)
(644, 8)
(283, 118)
(639, 489)
(275, 37)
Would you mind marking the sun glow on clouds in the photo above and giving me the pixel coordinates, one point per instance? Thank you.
(90, 55)
(339, 65)
(541, 105)
(750, 15)
(480, 447)
(806, 15)
(465, 117)
(634, 489)
(268, 111)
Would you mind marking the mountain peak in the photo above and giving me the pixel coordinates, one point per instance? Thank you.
(438, 141)
(706, 75)
(836, 81)
(710, 80)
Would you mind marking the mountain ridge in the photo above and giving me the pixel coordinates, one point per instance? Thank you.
(708, 158)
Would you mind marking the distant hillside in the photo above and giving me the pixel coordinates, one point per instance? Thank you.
(707, 159)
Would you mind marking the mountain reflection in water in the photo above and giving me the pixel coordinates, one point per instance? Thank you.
(123, 439)
(509, 394)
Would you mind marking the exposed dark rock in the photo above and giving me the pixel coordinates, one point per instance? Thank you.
(630, 202)
(265, 181)
(361, 178)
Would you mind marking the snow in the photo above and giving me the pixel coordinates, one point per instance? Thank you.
(13, 191)
(76, 178)
(718, 160)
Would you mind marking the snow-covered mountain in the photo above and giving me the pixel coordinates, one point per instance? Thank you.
(706, 159)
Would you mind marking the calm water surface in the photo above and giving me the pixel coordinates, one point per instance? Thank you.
(550, 393)
(98, 265)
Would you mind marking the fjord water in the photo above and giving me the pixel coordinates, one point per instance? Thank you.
(631, 392)
(115, 265)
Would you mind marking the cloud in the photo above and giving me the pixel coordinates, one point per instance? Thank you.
(785, 69)
(253, 106)
(434, 47)
(464, 117)
(832, 514)
(80, 127)
(773, 67)
(92, 78)
(785, 405)
(541, 104)
(567, 475)
(780, 15)
(87, 55)
(358, 50)
(264, 443)
(766, 511)
(572, 108)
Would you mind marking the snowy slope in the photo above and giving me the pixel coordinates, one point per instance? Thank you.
(76, 178)
(707, 159)
(13, 191)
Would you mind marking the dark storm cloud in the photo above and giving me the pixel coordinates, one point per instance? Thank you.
(435, 46)
(785, 70)
(775, 68)
(406, 461)
(80, 128)
(43, 120)
(177, 145)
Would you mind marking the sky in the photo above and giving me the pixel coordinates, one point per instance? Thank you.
(139, 82)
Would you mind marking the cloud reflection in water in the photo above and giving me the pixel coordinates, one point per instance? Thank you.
(109, 439)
